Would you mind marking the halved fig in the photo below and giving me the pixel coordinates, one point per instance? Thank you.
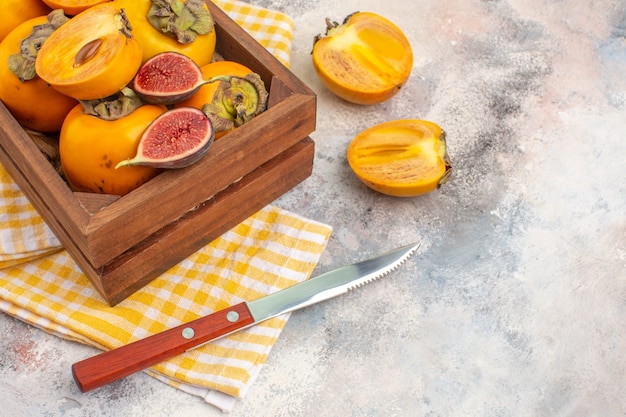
(167, 78)
(171, 77)
(175, 139)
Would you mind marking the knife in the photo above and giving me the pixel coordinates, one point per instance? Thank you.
(121, 362)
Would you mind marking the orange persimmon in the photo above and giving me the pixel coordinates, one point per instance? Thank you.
(365, 60)
(197, 40)
(16, 12)
(402, 158)
(33, 103)
(73, 7)
(205, 94)
(92, 56)
(91, 147)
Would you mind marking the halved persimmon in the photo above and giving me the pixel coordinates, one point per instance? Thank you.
(365, 60)
(92, 56)
(402, 158)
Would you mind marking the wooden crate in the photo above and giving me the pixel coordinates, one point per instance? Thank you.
(122, 243)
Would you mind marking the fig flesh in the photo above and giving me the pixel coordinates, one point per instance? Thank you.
(176, 139)
(171, 77)
(167, 78)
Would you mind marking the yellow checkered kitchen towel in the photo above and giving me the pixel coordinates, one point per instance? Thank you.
(41, 284)
(270, 250)
(273, 30)
(23, 233)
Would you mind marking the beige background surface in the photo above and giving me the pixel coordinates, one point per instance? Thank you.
(515, 305)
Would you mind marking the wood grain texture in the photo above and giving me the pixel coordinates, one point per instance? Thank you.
(113, 239)
(107, 367)
(156, 254)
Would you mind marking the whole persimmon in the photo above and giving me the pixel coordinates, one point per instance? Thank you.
(32, 101)
(73, 7)
(185, 27)
(92, 56)
(19, 11)
(90, 147)
(365, 60)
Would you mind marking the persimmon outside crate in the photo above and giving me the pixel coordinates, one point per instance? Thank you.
(122, 243)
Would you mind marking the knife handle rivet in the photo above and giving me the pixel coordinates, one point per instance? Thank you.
(232, 316)
(188, 333)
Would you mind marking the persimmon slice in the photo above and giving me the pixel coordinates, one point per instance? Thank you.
(365, 60)
(402, 158)
(92, 56)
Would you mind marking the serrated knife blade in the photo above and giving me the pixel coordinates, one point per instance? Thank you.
(102, 369)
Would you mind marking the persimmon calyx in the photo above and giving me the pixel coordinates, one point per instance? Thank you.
(331, 25)
(446, 160)
(113, 107)
(236, 101)
(183, 21)
(124, 24)
(22, 64)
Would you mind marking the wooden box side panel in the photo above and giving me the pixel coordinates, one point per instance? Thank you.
(237, 45)
(97, 229)
(175, 192)
(291, 117)
(39, 181)
(164, 249)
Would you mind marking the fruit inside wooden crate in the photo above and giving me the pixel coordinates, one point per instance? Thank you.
(122, 243)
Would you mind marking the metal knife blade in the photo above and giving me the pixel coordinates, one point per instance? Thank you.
(102, 369)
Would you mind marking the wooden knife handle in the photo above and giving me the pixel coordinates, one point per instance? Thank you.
(115, 364)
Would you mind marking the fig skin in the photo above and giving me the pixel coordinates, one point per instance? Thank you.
(171, 77)
(167, 78)
(167, 132)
